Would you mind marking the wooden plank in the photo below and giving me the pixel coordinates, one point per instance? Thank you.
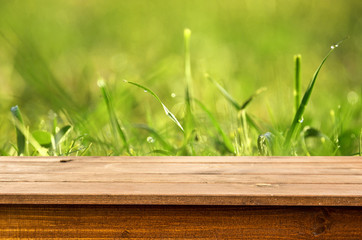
(179, 168)
(179, 222)
(182, 180)
(181, 197)
(181, 194)
(178, 178)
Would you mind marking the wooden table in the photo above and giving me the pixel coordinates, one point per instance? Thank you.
(181, 197)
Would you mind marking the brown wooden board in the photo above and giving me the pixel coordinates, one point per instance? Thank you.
(285, 181)
(181, 197)
(178, 222)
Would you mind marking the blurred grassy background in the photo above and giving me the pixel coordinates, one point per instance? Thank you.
(52, 53)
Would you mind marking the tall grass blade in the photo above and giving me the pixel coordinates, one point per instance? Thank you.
(38, 75)
(20, 138)
(246, 103)
(244, 126)
(230, 99)
(252, 123)
(235, 104)
(189, 119)
(226, 140)
(187, 36)
(116, 126)
(29, 138)
(298, 117)
(297, 83)
(86, 149)
(60, 135)
(168, 112)
(225, 93)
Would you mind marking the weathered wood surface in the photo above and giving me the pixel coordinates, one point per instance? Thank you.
(181, 197)
(178, 222)
(286, 181)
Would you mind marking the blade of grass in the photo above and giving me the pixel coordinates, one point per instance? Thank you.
(252, 123)
(228, 97)
(235, 104)
(257, 92)
(187, 36)
(243, 132)
(162, 141)
(38, 75)
(299, 114)
(189, 119)
(28, 137)
(86, 149)
(243, 118)
(42, 137)
(226, 140)
(168, 112)
(117, 129)
(244, 126)
(20, 138)
(60, 135)
(296, 93)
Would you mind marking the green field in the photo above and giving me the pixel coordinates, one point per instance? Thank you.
(53, 54)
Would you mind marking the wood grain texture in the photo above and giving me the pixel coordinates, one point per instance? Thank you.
(286, 181)
(179, 222)
(181, 197)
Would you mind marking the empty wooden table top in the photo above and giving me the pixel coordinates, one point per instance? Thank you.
(248, 181)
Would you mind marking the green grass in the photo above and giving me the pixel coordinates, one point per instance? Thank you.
(297, 83)
(167, 112)
(20, 137)
(298, 117)
(117, 129)
(213, 82)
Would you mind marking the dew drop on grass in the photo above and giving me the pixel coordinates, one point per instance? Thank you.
(145, 90)
(173, 95)
(334, 46)
(150, 139)
(301, 120)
